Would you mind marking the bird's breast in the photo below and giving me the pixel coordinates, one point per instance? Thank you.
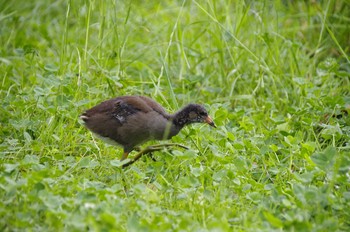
(160, 127)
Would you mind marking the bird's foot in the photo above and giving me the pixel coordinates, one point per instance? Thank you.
(150, 149)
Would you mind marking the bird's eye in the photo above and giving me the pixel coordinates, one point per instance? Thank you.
(202, 114)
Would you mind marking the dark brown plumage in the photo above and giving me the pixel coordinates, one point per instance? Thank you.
(132, 120)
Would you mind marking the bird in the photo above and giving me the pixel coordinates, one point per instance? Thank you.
(130, 121)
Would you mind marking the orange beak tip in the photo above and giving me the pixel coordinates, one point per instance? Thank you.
(210, 121)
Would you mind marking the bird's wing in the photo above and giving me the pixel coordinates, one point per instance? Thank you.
(154, 105)
(121, 108)
(121, 111)
(128, 105)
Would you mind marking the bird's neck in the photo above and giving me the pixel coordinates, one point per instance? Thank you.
(180, 118)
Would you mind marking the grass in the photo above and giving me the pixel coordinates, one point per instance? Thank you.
(273, 74)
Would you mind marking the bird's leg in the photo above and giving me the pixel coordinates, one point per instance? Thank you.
(169, 145)
(160, 146)
(138, 148)
(124, 156)
(149, 150)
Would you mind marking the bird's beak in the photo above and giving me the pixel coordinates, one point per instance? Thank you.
(209, 121)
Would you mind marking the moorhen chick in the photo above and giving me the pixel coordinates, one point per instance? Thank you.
(132, 120)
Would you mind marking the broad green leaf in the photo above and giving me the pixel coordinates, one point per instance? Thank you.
(325, 160)
(274, 221)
